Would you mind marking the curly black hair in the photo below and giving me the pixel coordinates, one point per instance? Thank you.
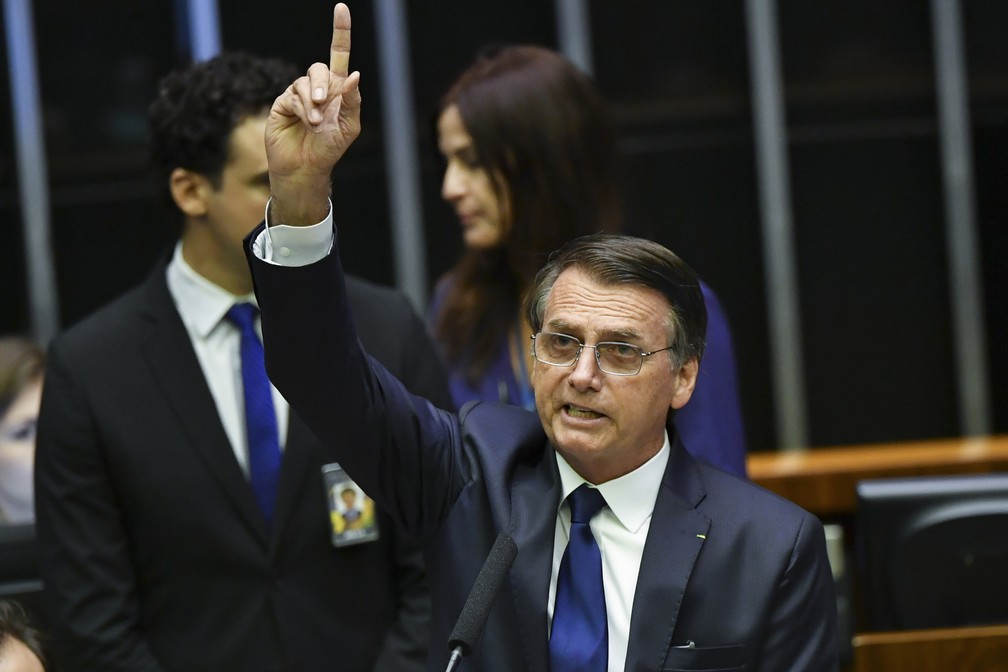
(14, 623)
(197, 107)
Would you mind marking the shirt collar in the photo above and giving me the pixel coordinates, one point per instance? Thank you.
(201, 303)
(631, 497)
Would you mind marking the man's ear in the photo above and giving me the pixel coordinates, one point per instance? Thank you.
(189, 190)
(685, 382)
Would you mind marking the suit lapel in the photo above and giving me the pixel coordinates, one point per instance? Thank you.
(674, 541)
(294, 473)
(174, 366)
(535, 497)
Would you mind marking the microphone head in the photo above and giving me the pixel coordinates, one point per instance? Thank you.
(488, 583)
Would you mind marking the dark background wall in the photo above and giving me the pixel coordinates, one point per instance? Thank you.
(863, 145)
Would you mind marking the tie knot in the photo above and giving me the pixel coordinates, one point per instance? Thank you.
(584, 503)
(243, 315)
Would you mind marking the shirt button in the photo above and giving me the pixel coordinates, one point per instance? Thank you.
(284, 251)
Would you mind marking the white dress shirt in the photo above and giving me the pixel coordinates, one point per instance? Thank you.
(620, 530)
(217, 342)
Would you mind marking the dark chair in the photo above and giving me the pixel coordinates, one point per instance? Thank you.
(933, 551)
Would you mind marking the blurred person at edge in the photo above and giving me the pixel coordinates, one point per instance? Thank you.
(530, 162)
(20, 643)
(22, 363)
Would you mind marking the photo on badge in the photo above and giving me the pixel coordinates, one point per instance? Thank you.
(351, 512)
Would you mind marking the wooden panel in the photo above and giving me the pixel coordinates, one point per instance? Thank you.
(823, 480)
(979, 649)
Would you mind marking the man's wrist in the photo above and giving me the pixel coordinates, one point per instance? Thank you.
(273, 222)
(294, 245)
(299, 207)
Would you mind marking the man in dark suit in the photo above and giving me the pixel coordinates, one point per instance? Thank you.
(676, 566)
(155, 553)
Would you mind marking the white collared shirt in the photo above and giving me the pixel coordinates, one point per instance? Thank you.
(298, 245)
(620, 529)
(217, 342)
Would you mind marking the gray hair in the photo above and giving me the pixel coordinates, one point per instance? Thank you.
(627, 260)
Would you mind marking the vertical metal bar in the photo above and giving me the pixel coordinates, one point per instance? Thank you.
(204, 28)
(778, 235)
(574, 33)
(960, 219)
(402, 163)
(33, 173)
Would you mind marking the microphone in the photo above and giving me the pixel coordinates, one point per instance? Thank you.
(476, 611)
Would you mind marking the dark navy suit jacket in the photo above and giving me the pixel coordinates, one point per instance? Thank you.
(729, 567)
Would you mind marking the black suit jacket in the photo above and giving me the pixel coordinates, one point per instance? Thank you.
(152, 550)
(732, 577)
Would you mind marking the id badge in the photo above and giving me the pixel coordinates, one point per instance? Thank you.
(351, 512)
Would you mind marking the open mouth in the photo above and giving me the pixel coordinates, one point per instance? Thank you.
(581, 413)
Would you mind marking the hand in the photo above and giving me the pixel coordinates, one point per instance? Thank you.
(310, 126)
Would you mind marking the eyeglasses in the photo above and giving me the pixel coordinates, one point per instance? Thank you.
(613, 357)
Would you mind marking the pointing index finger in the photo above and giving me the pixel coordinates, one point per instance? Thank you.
(339, 50)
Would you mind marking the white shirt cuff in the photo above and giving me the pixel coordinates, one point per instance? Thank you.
(284, 245)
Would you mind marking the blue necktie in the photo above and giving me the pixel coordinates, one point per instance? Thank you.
(579, 641)
(260, 416)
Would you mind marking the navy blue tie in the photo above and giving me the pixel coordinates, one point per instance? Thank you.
(260, 416)
(579, 641)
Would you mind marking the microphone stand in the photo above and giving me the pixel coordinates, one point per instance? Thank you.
(456, 658)
(476, 610)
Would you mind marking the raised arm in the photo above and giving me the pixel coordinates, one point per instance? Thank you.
(310, 126)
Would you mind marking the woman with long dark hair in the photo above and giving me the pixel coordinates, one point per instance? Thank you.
(530, 163)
